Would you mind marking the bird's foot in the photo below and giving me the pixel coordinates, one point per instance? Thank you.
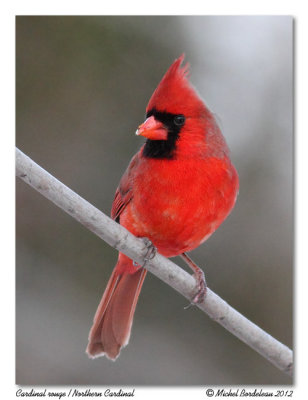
(201, 293)
(150, 251)
(201, 285)
(200, 280)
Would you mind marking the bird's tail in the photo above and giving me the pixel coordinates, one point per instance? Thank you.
(114, 316)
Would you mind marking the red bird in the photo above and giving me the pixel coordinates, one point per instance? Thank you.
(176, 191)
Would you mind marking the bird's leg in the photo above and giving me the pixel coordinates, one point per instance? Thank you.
(200, 279)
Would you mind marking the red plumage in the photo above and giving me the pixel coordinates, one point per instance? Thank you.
(176, 191)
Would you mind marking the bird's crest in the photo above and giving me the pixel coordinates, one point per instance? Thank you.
(175, 94)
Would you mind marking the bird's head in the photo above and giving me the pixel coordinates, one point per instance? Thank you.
(174, 114)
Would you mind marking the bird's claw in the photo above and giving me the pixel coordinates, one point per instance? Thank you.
(189, 305)
(201, 293)
(150, 251)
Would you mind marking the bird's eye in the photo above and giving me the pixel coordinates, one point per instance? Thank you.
(179, 120)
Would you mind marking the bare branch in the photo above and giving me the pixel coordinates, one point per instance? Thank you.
(118, 237)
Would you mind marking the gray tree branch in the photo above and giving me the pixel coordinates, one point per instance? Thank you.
(119, 238)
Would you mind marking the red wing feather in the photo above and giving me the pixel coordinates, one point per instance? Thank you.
(124, 193)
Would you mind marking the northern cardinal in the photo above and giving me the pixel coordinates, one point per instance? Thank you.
(176, 191)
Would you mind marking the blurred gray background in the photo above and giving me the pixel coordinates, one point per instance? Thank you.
(82, 86)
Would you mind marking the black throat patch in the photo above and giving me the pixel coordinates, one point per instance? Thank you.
(163, 148)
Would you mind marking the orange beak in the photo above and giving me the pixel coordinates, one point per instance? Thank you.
(152, 129)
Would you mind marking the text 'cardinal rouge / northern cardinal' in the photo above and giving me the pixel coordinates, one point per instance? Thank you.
(176, 191)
